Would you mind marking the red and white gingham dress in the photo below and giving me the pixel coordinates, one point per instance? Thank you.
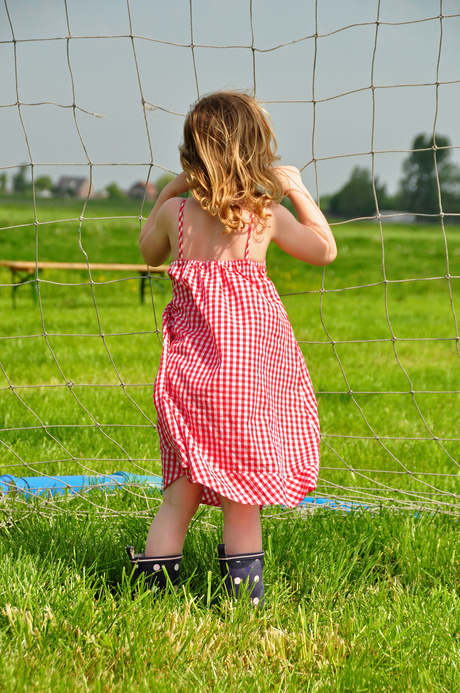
(235, 406)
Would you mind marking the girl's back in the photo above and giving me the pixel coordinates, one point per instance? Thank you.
(204, 236)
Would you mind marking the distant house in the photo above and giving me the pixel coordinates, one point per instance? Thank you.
(74, 187)
(391, 216)
(141, 189)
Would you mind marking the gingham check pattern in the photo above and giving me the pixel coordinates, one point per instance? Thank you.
(235, 406)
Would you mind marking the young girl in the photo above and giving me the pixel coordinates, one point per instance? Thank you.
(237, 416)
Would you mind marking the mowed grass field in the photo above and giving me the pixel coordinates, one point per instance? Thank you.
(364, 601)
(354, 602)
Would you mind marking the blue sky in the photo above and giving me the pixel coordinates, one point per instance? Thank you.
(107, 81)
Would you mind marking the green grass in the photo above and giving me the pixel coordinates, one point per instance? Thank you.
(362, 601)
(355, 602)
(78, 368)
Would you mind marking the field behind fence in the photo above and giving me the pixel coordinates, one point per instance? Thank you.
(378, 332)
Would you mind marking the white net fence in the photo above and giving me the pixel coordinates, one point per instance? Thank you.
(99, 95)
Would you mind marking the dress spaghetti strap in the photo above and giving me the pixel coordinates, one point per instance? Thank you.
(246, 252)
(181, 228)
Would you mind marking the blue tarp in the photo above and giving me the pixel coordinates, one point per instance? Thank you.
(53, 485)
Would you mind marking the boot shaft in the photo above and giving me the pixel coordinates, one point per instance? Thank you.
(243, 572)
(156, 569)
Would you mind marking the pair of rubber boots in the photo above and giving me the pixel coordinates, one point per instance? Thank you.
(241, 572)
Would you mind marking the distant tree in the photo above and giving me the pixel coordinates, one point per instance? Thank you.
(20, 182)
(44, 183)
(356, 198)
(419, 188)
(450, 190)
(163, 181)
(114, 191)
(3, 181)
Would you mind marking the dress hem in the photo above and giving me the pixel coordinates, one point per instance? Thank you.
(241, 492)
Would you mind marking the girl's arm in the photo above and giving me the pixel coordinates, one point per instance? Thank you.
(310, 239)
(154, 238)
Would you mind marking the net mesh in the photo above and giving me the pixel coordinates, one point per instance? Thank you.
(78, 368)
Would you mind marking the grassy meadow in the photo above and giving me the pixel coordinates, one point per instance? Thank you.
(359, 601)
(78, 366)
(355, 602)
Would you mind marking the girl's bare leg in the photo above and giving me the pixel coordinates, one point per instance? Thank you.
(242, 528)
(167, 532)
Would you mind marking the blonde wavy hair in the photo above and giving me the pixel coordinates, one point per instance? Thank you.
(228, 153)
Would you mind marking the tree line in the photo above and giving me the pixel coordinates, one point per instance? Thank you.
(21, 184)
(428, 175)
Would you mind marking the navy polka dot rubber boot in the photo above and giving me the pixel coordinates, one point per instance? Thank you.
(156, 569)
(241, 572)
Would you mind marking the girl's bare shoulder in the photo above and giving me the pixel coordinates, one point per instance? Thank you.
(278, 217)
(169, 210)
